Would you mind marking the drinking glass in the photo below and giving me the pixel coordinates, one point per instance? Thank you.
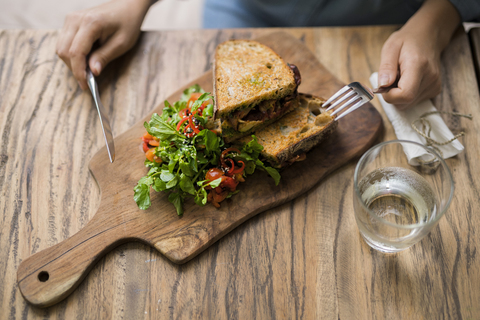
(397, 204)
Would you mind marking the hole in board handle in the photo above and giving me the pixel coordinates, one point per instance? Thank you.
(43, 276)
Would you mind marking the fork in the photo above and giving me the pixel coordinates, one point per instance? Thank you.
(359, 96)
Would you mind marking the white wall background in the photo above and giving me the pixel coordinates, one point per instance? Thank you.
(50, 14)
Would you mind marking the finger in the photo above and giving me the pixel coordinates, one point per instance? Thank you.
(430, 90)
(114, 47)
(405, 106)
(64, 42)
(387, 72)
(409, 85)
(81, 46)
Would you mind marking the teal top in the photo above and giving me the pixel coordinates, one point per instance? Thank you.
(300, 13)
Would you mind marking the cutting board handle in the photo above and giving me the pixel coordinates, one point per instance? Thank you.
(50, 275)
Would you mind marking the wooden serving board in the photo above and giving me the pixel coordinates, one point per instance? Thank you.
(49, 276)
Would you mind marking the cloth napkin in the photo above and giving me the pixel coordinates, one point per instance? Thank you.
(402, 120)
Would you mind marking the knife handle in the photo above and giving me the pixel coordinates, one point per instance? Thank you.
(50, 275)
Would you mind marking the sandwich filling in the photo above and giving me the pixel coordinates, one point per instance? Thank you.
(245, 119)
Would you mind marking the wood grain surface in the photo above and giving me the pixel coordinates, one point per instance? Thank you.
(50, 275)
(304, 259)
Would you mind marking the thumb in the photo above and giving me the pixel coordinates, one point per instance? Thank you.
(387, 72)
(111, 49)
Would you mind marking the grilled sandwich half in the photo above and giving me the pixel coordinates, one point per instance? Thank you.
(253, 87)
(289, 139)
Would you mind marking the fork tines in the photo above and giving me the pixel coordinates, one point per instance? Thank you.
(358, 94)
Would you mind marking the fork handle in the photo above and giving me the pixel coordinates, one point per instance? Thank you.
(386, 89)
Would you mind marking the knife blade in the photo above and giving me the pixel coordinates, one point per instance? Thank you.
(104, 121)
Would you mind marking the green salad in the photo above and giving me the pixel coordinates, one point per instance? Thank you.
(187, 158)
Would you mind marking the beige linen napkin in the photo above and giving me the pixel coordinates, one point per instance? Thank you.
(402, 123)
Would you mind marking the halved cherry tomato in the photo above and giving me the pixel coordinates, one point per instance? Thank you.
(213, 174)
(229, 184)
(193, 97)
(154, 143)
(152, 156)
(145, 147)
(147, 136)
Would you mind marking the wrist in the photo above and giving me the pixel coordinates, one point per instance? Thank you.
(437, 19)
(140, 5)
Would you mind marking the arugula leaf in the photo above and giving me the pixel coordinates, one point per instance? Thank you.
(186, 169)
(177, 200)
(215, 183)
(208, 111)
(201, 197)
(271, 171)
(159, 185)
(179, 105)
(148, 180)
(193, 163)
(142, 196)
(166, 176)
(186, 184)
(159, 128)
(253, 147)
(173, 162)
(274, 174)
(152, 170)
(172, 183)
(209, 139)
(204, 97)
(188, 92)
(232, 193)
(250, 167)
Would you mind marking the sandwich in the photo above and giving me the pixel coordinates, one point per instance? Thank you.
(253, 87)
(288, 139)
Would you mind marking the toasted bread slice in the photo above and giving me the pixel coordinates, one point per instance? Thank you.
(249, 75)
(289, 138)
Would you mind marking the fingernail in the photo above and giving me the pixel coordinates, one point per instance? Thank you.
(383, 80)
(97, 67)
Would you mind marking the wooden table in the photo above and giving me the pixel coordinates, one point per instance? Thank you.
(304, 259)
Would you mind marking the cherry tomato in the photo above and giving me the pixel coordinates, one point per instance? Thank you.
(229, 184)
(145, 147)
(154, 143)
(147, 137)
(213, 174)
(193, 97)
(152, 156)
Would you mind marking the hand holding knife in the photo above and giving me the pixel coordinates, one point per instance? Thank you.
(104, 121)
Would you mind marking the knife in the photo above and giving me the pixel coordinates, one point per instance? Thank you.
(107, 130)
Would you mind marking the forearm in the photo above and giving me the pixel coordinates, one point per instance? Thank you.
(140, 6)
(437, 18)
